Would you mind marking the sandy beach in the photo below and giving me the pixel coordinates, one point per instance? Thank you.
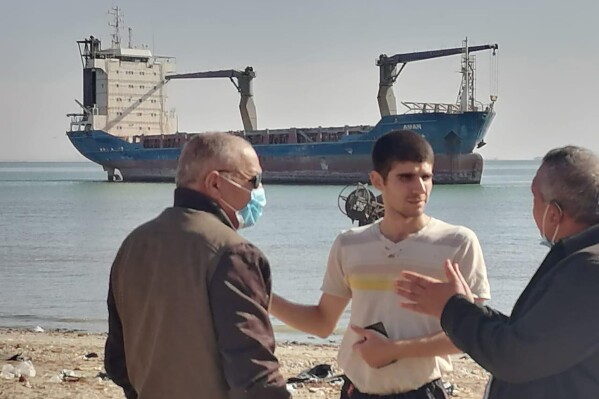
(63, 370)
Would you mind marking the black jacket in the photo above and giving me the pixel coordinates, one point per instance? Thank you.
(549, 347)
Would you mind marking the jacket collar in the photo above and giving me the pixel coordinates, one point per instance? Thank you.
(191, 199)
(580, 240)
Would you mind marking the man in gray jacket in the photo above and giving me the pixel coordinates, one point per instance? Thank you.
(188, 296)
(548, 348)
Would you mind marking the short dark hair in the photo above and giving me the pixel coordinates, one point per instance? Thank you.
(400, 146)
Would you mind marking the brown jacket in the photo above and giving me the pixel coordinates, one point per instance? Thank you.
(187, 304)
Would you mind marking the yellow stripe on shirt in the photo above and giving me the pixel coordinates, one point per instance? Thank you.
(370, 283)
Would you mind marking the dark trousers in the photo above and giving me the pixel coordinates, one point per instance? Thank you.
(432, 390)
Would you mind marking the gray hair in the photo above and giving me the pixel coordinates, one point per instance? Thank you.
(570, 177)
(206, 152)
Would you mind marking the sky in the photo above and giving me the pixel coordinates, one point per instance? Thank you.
(315, 64)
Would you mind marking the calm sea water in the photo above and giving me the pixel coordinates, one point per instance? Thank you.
(61, 225)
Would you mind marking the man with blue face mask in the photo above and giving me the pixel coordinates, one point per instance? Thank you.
(249, 214)
(548, 348)
(188, 296)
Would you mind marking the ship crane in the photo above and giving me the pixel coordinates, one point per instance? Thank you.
(389, 74)
(243, 85)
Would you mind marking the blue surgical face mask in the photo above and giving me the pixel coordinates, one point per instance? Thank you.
(544, 240)
(249, 214)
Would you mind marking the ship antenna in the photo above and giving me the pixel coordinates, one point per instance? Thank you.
(130, 38)
(118, 21)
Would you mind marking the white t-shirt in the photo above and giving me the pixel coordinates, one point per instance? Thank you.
(362, 266)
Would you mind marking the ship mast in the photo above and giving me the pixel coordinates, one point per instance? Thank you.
(117, 13)
(466, 83)
(467, 95)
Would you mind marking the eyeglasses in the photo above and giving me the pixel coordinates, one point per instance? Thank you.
(256, 180)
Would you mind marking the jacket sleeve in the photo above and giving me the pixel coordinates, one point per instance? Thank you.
(239, 292)
(559, 331)
(114, 353)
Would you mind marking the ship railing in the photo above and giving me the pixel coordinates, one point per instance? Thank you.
(79, 122)
(164, 59)
(301, 135)
(175, 140)
(428, 108)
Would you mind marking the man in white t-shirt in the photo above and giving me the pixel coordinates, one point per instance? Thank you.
(389, 352)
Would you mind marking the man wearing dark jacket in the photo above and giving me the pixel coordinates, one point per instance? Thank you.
(549, 347)
(188, 296)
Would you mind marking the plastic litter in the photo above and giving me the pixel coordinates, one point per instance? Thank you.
(8, 372)
(25, 369)
(316, 373)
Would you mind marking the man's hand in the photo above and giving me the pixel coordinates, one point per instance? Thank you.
(376, 349)
(428, 295)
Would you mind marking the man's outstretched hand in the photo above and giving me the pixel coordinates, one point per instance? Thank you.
(428, 295)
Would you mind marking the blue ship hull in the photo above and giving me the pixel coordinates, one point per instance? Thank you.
(452, 136)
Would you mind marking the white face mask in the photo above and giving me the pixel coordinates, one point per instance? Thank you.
(544, 240)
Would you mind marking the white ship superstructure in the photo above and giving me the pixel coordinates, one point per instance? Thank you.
(124, 91)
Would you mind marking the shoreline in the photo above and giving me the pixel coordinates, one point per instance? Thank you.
(62, 370)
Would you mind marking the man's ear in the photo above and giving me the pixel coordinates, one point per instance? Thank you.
(377, 180)
(557, 214)
(212, 184)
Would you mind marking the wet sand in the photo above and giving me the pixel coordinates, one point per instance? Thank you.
(62, 371)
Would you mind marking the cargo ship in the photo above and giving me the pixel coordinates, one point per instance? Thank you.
(125, 127)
